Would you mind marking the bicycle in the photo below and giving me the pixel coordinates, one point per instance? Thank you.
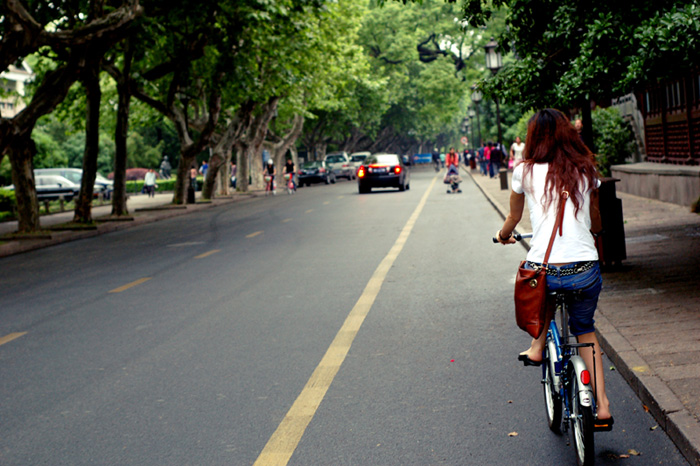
(269, 185)
(566, 381)
(291, 188)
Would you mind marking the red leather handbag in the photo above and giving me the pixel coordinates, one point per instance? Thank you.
(531, 286)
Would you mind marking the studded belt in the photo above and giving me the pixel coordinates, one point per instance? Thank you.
(579, 267)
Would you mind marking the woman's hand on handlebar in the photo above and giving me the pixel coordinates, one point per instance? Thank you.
(509, 240)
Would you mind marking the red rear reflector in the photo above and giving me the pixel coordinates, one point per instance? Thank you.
(585, 377)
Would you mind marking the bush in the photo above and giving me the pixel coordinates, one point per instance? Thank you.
(163, 185)
(613, 138)
(7, 200)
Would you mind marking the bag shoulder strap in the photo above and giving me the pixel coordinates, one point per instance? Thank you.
(557, 224)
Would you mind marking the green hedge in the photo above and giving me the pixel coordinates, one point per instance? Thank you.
(162, 185)
(7, 200)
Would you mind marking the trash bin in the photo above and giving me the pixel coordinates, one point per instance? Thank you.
(190, 191)
(613, 236)
(503, 174)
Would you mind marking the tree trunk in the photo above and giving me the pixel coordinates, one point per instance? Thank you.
(243, 175)
(22, 153)
(91, 82)
(587, 120)
(121, 133)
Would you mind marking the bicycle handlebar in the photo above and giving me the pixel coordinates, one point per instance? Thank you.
(517, 236)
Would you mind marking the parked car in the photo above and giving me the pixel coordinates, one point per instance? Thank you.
(315, 172)
(102, 184)
(53, 187)
(339, 164)
(383, 171)
(357, 158)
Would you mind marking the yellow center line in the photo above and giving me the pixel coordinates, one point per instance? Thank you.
(340, 197)
(284, 440)
(207, 254)
(309, 211)
(10, 337)
(326, 202)
(252, 235)
(286, 220)
(130, 285)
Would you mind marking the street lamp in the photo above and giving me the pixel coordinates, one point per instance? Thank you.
(494, 63)
(493, 57)
(476, 98)
(471, 114)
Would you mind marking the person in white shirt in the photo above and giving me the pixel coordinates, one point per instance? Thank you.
(516, 151)
(557, 161)
(149, 183)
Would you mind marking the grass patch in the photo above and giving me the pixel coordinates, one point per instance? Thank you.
(74, 226)
(39, 234)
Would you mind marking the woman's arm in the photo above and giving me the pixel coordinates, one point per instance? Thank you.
(517, 204)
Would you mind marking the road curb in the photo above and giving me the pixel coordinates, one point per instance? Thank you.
(670, 413)
(13, 247)
(654, 394)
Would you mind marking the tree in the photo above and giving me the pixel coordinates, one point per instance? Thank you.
(74, 30)
(571, 53)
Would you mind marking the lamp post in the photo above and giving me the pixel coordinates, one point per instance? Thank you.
(494, 63)
(476, 98)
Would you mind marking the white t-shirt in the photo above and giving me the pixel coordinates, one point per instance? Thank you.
(518, 151)
(576, 243)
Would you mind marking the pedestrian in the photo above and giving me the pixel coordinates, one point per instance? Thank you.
(482, 159)
(234, 170)
(496, 159)
(203, 170)
(149, 183)
(193, 177)
(436, 159)
(487, 156)
(165, 168)
(516, 152)
(555, 161)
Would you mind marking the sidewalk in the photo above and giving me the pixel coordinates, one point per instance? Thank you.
(648, 318)
(142, 209)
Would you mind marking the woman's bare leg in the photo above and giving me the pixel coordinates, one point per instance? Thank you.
(602, 402)
(537, 346)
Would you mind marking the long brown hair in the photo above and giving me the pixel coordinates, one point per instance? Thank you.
(552, 139)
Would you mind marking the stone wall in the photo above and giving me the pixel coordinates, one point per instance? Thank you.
(677, 184)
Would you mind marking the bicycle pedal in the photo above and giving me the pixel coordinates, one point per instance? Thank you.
(580, 345)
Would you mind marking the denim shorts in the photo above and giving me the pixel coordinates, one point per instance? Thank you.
(583, 303)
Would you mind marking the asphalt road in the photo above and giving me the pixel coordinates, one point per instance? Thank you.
(378, 326)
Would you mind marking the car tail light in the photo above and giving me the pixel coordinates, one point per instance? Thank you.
(322, 170)
(300, 172)
(585, 377)
(397, 169)
(361, 172)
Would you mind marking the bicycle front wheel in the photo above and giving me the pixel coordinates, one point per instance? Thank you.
(552, 399)
(581, 427)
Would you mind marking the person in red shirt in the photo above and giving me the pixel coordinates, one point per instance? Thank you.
(452, 159)
(452, 176)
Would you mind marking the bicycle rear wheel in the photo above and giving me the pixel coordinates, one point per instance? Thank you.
(552, 399)
(581, 427)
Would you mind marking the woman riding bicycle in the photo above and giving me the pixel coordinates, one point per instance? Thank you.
(556, 160)
(270, 172)
(289, 174)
